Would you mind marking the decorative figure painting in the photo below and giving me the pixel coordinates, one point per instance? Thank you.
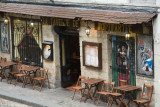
(47, 50)
(4, 38)
(145, 56)
(123, 62)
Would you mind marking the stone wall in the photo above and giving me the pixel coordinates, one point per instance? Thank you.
(52, 66)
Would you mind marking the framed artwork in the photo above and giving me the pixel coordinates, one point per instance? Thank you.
(145, 56)
(5, 41)
(47, 52)
(92, 54)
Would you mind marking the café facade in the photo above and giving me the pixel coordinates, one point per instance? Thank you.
(69, 42)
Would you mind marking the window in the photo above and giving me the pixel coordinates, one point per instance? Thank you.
(27, 42)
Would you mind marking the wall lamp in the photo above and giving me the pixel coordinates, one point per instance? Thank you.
(87, 29)
(127, 34)
(31, 22)
(5, 20)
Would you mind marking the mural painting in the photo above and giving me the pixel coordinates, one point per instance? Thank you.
(4, 38)
(145, 56)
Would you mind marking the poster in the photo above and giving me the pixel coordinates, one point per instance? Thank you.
(145, 56)
(5, 38)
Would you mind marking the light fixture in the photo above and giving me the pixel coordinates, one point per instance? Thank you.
(31, 23)
(87, 29)
(127, 34)
(6, 20)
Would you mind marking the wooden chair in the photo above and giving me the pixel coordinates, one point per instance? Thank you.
(42, 76)
(145, 96)
(107, 88)
(3, 59)
(115, 95)
(21, 75)
(79, 87)
(12, 73)
(122, 82)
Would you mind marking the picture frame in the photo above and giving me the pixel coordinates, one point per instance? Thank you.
(47, 50)
(92, 54)
(5, 39)
(145, 56)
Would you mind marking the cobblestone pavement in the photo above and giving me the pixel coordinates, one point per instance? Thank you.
(8, 103)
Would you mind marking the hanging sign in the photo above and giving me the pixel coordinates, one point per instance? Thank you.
(61, 22)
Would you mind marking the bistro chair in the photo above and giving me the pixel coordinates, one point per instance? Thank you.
(145, 96)
(21, 75)
(42, 76)
(3, 59)
(16, 71)
(79, 87)
(122, 82)
(107, 88)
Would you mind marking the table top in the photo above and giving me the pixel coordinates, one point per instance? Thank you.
(92, 81)
(8, 63)
(30, 68)
(127, 88)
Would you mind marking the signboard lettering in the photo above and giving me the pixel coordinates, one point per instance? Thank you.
(113, 27)
(61, 22)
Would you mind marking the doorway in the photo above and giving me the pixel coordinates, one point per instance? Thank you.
(70, 59)
(123, 59)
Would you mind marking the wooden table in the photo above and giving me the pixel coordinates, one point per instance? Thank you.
(89, 83)
(4, 65)
(28, 70)
(126, 89)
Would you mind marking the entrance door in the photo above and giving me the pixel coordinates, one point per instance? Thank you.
(123, 59)
(70, 59)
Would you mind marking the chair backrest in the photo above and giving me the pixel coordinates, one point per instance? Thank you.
(21, 67)
(147, 92)
(81, 78)
(122, 82)
(43, 72)
(19, 64)
(3, 59)
(108, 86)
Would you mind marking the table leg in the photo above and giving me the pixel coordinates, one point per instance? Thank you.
(4, 75)
(95, 89)
(87, 92)
(123, 95)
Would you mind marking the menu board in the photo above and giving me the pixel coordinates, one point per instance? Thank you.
(92, 54)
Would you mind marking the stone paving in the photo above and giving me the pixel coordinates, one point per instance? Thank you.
(8, 103)
(58, 97)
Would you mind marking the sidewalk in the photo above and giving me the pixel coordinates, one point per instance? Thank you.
(57, 97)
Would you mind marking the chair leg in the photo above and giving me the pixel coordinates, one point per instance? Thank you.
(82, 95)
(34, 83)
(23, 82)
(11, 79)
(108, 101)
(16, 81)
(99, 99)
(48, 82)
(73, 94)
(42, 84)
